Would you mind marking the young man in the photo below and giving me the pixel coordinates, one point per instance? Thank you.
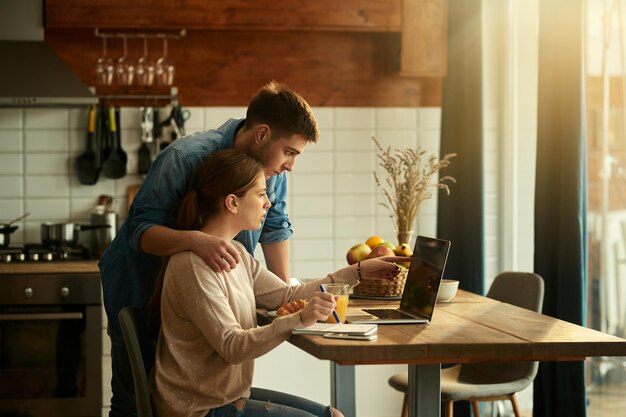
(278, 126)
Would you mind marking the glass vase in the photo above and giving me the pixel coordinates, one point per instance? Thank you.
(405, 237)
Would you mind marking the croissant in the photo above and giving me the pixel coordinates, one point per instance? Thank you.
(291, 307)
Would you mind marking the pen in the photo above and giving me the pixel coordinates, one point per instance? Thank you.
(334, 311)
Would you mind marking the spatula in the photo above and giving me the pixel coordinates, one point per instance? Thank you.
(144, 156)
(115, 165)
(86, 163)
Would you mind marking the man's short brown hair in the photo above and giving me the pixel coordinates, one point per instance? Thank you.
(284, 111)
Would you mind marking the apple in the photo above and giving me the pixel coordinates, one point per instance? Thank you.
(358, 253)
(387, 244)
(379, 251)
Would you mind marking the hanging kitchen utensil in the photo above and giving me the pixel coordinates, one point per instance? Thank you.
(166, 130)
(104, 134)
(144, 155)
(115, 165)
(156, 131)
(86, 163)
(181, 116)
(118, 124)
(175, 125)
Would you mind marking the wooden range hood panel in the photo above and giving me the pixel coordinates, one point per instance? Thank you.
(354, 15)
(348, 53)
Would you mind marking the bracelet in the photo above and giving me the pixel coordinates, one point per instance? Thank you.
(358, 270)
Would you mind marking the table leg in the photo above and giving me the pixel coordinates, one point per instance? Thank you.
(342, 388)
(424, 393)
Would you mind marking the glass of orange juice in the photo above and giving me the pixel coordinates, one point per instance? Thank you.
(340, 291)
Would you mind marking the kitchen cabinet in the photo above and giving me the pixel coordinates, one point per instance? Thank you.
(349, 53)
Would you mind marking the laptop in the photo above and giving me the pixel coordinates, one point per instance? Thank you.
(420, 289)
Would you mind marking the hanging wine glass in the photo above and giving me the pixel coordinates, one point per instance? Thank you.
(104, 66)
(125, 69)
(165, 68)
(145, 67)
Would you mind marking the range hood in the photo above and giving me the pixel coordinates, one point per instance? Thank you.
(31, 73)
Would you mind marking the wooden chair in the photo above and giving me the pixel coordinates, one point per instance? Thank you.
(490, 381)
(141, 352)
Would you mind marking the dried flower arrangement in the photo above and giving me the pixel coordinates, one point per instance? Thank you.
(409, 183)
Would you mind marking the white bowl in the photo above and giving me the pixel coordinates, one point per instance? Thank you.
(447, 289)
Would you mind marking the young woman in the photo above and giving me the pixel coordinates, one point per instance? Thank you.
(209, 336)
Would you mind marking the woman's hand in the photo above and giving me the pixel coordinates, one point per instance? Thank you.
(380, 268)
(320, 306)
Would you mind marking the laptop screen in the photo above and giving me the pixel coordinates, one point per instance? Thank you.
(424, 276)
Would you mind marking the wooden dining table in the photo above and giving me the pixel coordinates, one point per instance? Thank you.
(469, 328)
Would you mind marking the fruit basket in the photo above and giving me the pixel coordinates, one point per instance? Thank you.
(382, 287)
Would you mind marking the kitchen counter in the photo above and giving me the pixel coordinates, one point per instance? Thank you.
(61, 267)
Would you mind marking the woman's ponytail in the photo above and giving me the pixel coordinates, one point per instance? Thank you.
(189, 217)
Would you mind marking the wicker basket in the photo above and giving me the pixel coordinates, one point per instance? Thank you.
(382, 287)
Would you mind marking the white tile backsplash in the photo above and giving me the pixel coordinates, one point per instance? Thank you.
(310, 184)
(50, 163)
(313, 269)
(47, 186)
(11, 118)
(11, 140)
(396, 118)
(347, 162)
(47, 140)
(354, 183)
(216, 116)
(354, 140)
(396, 139)
(195, 122)
(46, 118)
(324, 144)
(11, 186)
(311, 249)
(429, 141)
(312, 227)
(45, 209)
(321, 205)
(314, 162)
(354, 205)
(11, 163)
(355, 228)
(354, 117)
(429, 118)
(325, 117)
(11, 208)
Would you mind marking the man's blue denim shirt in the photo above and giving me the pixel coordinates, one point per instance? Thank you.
(127, 273)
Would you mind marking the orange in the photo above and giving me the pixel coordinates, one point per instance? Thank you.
(374, 241)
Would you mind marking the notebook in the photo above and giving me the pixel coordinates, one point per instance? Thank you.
(325, 328)
(420, 290)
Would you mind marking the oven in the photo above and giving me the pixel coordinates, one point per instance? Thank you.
(50, 344)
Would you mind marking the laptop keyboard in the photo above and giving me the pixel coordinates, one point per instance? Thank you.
(387, 313)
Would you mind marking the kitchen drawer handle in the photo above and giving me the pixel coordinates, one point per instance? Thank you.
(41, 316)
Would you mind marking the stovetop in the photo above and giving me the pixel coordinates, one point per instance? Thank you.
(41, 253)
